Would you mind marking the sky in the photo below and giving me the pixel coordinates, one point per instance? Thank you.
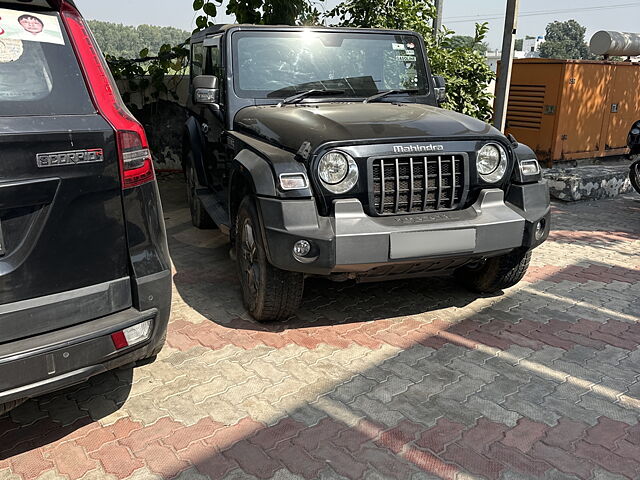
(459, 15)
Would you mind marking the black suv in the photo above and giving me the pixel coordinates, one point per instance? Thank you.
(322, 151)
(85, 278)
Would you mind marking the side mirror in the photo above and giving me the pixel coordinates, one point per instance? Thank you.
(440, 85)
(206, 90)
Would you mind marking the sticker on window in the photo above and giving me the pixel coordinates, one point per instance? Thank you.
(411, 46)
(406, 58)
(28, 26)
(10, 50)
(398, 46)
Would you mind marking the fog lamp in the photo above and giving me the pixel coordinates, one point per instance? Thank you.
(302, 248)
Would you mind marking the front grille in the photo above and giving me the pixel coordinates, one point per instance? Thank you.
(418, 184)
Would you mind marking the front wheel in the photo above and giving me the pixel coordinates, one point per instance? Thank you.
(497, 273)
(269, 293)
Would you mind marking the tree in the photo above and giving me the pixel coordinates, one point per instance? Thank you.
(126, 41)
(467, 41)
(464, 68)
(264, 12)
(565, 40)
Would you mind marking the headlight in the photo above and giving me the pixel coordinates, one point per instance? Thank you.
(338, 172)
(492, 163)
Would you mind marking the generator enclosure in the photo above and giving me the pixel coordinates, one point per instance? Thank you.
(568, 110)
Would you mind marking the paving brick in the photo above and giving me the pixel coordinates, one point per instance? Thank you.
(524, 435)
(483, 434)
(606, 432)
(430, 463)
(518, 461)
(117, 460)
(565, 434)
(30, 464)
(70, 459)
(472, 461)
(396, 438)
(207, 460)
(608, 460)
(162, 460)
(139, 439)
(297, 460)
(284, 430)
(252, 459)
(561, 460)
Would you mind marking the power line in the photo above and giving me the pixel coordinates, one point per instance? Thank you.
(495, 16)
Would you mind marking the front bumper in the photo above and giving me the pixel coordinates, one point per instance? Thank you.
(55, 360)
(352, 242)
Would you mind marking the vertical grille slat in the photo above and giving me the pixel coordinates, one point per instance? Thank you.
(439, 183)
(411, 181)
(453, 184)
(381, 211)
(397, 205)
(427, 183)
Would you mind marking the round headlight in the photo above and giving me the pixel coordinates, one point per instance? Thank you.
(338, 172)
(492, 163)
(333, 168)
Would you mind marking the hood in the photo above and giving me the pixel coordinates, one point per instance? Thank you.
(291, 125)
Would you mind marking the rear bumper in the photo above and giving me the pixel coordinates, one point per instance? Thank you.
(352, 242)
(48, 362)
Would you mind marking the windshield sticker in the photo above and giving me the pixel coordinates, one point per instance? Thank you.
(27, 26)
(10, 50)
(406, 58)
(398, 46)
(410, 46)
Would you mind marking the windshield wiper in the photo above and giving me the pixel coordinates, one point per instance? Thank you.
(378, 96)
(311, 93)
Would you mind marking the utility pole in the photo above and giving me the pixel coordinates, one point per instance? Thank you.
(506, 64)
(437, 22)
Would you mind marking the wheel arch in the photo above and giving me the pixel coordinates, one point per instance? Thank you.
(250, 175)
(193, 141)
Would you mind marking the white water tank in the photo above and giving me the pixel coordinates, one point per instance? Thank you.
(615, 43)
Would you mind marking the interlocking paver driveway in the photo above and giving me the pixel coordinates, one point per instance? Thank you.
(407, 380)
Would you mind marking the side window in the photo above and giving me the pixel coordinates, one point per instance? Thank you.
(214, 57)
(197, 59)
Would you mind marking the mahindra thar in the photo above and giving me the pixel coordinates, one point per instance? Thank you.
(323, 152)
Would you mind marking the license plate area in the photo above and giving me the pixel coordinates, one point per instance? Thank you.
(432, 243)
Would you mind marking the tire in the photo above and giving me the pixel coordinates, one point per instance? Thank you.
(634, 176)
(199, 216)
(7, 407)
(497, 273)
(269, 294)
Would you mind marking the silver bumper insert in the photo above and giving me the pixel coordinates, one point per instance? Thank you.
(361, 239)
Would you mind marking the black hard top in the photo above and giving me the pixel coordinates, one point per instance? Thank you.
(222, 28)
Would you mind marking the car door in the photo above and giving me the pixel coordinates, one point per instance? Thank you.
(207, 60)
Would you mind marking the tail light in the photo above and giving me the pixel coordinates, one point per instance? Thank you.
(136, 164)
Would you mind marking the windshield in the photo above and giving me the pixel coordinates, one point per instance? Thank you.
(280, 64)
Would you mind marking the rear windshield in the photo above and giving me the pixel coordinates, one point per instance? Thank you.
(39, 74)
